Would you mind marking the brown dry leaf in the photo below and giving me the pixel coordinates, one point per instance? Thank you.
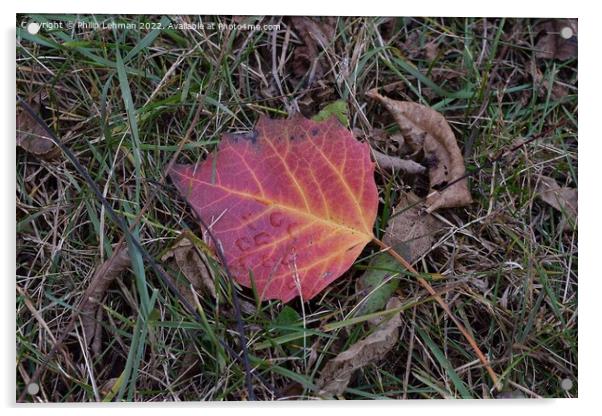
(552, 45)
(431, 50)
(558, 90)
(425, 129)
(337, 372)
(190, 262)
(412, 232)
(106, 273)
(32, 137)
(411, 47)
(315, 34)
(561, 198)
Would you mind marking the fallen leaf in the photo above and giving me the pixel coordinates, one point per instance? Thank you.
(292, 203)
(411, 47)
(316, 34)
(340, 110)
(411, 232)
(431, 50)
(425, 129)
(32, 137)
(336, 374)
(558, 39)
(190, 262)
(395, 87)
(561, 198)
(106, 273)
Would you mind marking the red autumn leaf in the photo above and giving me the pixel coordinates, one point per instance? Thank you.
(292, 203)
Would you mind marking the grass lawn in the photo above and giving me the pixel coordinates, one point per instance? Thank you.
(130, 98)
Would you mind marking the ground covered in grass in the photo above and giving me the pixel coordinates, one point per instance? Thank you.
(128, 99)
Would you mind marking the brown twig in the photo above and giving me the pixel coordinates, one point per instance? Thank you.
(445, 307)
(392, 162)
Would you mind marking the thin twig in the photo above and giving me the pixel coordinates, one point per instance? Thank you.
(445, 307)
(392, 162)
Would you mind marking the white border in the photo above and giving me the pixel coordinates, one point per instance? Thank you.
(590, 152)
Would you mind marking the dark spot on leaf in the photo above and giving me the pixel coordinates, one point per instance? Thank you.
(240, 267)
(315, 131)
(421, 185)
(244, 243)
(268, 262)
(431, 161)
(262, 239)
(276, 219)
(352, 247)
(439, 186)
(290, 229)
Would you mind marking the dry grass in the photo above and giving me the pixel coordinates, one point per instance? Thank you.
(509, 271)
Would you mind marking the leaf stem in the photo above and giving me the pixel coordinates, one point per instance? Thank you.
(444, 306)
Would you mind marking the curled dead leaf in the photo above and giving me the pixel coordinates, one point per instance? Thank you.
(32, 137)
(337, 372)
(191, 264)
(106, 273)
(424, 129)
(316, 35)
(561, 198)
